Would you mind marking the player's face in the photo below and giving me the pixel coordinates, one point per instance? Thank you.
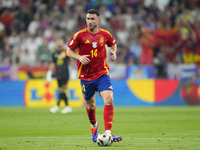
(92, 21)
(59, 43)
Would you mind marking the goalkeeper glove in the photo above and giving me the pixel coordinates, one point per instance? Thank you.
(49, 76)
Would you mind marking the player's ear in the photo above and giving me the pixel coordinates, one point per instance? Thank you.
(99, 20)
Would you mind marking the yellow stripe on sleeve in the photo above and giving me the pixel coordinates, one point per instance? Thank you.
(80, 69)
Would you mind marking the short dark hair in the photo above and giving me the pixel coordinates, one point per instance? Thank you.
(93, 11)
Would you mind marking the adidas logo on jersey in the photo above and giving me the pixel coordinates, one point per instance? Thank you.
(110, 87)
(87, 41)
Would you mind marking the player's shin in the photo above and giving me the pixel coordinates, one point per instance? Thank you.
(91, 116)
(108, 117)
(62, 96)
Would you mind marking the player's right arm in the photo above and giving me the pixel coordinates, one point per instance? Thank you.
(82, 58)
(73, 44)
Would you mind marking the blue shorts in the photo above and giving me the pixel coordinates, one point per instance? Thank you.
(90, 87)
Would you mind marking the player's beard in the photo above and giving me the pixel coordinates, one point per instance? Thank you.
(59, 47)
(92, 28)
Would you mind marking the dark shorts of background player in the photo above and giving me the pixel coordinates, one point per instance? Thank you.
(101, 84)
(62, 82)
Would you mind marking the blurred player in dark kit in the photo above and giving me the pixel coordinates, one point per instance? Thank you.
(60, 62)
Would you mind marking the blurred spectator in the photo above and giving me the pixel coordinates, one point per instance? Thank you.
(44, 55)
(136, 49)
(159, 3)
(24, 4)
(159, 37)
(7, 51)
(148, 43)
(13, 39)
(185, 17)
(14, 72)
(141, 15)
(32, 48)
(48, 34)
(34, 25)
(129, 18)
(9, 3)
(15, 64)
(39, 38)
(16, 56)
(174, 12)
(27, 59)
(5, 69)
(7, 18)
(55, 13)
(127, 56)
(115, 23)
(45, 22)
(167, 48)
(68, 23)
(105, 15)
(122, 35)
(149, 22)
(186, 46)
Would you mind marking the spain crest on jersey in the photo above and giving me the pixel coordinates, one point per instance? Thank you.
(101, 41)
(94, 44)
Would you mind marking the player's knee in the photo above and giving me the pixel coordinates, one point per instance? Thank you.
(91, 106)
(109, 101)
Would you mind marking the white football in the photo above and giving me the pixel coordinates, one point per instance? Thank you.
(104, 139)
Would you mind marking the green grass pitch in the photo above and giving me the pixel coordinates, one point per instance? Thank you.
(142, 128)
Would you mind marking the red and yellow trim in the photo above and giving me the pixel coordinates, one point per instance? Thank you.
(105, 66)
(79, 71)
(76, 34)
(103, 30)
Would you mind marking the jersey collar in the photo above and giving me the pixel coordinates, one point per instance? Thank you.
(92, 33)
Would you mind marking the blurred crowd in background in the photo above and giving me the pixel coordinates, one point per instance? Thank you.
(147, 32)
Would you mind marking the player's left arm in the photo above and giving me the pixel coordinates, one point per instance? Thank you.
(50, 72)
(113, 52)
(51, 68)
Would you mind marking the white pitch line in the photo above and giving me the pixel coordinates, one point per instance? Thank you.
(128, 138)
(166, 138)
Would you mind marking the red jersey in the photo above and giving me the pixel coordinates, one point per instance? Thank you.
(93, 45)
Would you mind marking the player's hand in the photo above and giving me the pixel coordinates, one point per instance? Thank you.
(49, 76)
(113, 55)
(84, 59)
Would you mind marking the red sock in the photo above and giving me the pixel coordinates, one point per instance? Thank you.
(108, 116)
(91, 115)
